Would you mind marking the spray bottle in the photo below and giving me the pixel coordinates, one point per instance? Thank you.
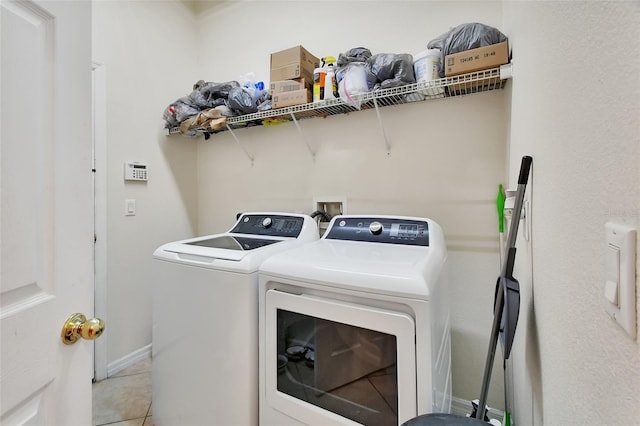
(330, 83)
(319, 75)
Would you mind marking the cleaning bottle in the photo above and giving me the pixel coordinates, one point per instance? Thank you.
(330, 83)
(319, 75)
(330, 86)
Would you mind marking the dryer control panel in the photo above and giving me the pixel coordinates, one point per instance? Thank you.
(380, 230)
(271, 225)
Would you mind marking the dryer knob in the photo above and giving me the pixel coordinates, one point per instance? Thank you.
(267, 222)
(375, 228)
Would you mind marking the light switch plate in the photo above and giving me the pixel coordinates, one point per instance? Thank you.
(130, 207)
(620, 275)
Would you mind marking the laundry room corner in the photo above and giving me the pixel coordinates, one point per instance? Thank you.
(146, 51)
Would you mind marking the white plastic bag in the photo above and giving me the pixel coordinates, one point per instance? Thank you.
(354, 84)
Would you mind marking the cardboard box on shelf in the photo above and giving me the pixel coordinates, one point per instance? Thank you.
(476, 59)
(294, 97)
(290, 72)
(293, 55)
(288, 86)
(292, 63)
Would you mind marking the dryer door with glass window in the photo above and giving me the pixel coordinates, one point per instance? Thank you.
(332, 361)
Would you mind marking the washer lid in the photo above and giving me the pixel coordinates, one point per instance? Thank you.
(221, 246)
(229, 242)
(251, 240)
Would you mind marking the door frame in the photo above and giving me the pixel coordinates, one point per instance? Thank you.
(99, 141)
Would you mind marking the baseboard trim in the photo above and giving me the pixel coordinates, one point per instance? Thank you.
(463, 407)
(126, 361)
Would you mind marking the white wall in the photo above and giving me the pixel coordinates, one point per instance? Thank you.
(576, 110)
(446, 161)
(149, 53)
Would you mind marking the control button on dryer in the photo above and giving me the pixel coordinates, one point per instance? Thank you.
(375, 228)
(267, 222)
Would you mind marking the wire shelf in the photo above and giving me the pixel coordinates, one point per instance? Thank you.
(465, 84)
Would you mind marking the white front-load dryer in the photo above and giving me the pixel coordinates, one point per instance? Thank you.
(205, 319)
(354, 328)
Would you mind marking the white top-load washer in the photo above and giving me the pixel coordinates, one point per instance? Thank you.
(205, 319)
(354, 328)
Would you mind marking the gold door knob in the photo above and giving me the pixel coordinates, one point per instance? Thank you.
(77, 326)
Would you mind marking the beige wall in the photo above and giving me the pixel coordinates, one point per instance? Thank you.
(583, 131)
(149, 57)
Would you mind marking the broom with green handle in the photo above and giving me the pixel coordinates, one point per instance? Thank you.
(500, 205)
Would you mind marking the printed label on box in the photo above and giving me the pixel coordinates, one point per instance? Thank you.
(477, 59)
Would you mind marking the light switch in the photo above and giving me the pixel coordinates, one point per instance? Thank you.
(130, 207)
(611, 286)
(620, 275)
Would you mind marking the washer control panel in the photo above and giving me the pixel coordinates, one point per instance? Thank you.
(271, 225)
(380, 230)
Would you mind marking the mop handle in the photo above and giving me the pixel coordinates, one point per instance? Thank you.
(517, 210)
(507, 271)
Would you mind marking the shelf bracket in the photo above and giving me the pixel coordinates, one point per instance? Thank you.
(241, 146)
(384, 133)
(506, 71)
(313, 154)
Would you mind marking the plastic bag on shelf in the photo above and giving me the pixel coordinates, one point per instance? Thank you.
(355, 80)
(247, 100)
(357, 57)
(210, 95)
(255, 87)
(265, 103)
(179, 111)
(241, 100)
(465, 37)
(353, 75)
(247, 80)
(250, 97)
(356, 54)
(225, 111)
(392, 69)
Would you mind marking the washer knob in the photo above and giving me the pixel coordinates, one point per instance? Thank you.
(375, 228)
(266, 222)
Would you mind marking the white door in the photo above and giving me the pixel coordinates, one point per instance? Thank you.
(46, 233)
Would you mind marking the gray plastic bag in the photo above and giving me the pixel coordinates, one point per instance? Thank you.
(392, 69)
(179, 111)
(210, 95)
(465, 37)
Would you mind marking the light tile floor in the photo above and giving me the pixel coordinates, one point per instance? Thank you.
(124, 399)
